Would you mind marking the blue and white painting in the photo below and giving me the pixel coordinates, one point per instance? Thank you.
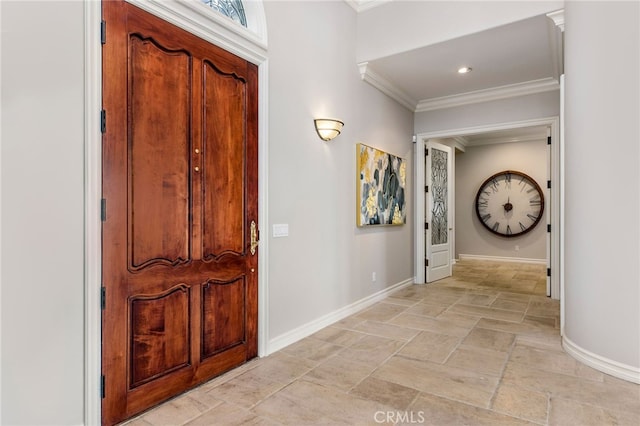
(381, 182)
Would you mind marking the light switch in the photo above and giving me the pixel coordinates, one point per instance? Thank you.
(280, 230)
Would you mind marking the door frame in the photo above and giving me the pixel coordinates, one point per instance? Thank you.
(556, 166)
(221, 32)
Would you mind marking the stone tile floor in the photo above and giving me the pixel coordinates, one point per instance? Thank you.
(479, 348)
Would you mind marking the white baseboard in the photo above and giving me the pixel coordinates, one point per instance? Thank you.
(309, 328)
(502, 259)
(600, 363)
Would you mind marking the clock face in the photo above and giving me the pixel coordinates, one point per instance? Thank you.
(509, 203)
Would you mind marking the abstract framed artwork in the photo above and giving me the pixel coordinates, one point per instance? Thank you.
(380, 187)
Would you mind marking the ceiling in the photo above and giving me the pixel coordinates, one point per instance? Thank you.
(520, 58)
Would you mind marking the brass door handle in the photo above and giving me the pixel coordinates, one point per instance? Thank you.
(254, 237)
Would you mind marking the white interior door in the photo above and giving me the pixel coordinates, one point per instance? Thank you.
(438, 181)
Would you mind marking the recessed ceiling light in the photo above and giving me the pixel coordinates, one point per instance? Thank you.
(464, 70)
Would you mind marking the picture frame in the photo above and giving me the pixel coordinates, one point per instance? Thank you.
(380, 187)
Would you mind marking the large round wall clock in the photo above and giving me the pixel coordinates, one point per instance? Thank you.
(509, 203)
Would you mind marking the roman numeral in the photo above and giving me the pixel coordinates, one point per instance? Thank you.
(495, 184)
(531, 190)
(483, 202)
(486, 217)
(535, 202)
(532, 217)
(496, 226)
(522, 227)
(509, 230)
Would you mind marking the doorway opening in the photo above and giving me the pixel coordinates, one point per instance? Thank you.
(553, 189)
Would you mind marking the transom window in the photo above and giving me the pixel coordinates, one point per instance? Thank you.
(230, 8)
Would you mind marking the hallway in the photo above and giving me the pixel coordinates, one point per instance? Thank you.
(481, 347)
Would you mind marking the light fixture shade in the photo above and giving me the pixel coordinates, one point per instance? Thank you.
(328, 128)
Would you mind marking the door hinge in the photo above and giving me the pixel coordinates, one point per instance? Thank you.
(426, 188)
(103, 32)
(426, 152)
(549, 228)
(548, 184)
(548, 272)
(102, 386)
(103, 209)
(426, 262)
(103, 298)
(548, 140)
(426, 225)
(103, 121)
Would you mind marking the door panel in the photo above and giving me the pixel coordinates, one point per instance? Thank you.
(159, 146)
(159, 334)
(223, 317)
(224, 150)
(438, 203)
(180, 185)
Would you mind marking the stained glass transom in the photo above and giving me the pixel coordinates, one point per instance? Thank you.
(439, 207)
(231, 8)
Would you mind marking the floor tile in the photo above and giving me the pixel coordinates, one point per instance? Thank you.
(381, 312)
(523, 403)
(392, 394)
(485, 312)
(436, 325)
(449, 382)
(438, 411)
(482, 361)
(425, 309)
(573, 413)
(339, 372)
(229, 415)
(372, 349)
(339, 336)
(306, 403)
(428, 346)
(386, 330)
(313, 349)
(490, 339)
(246, 390)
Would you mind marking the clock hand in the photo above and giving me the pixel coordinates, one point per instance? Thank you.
(508, 206)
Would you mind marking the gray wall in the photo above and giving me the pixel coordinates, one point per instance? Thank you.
(602, 179)
(472, 168)
(327, 262)
(42, 213)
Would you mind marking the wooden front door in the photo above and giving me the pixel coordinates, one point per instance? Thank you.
(180, 222)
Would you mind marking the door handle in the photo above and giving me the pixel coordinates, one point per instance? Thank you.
(254, 237)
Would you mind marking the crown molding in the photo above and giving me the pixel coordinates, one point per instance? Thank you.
(492, 94)
(385, 86)
(362, 5)
(558, 18)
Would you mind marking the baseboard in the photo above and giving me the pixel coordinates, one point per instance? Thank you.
(502, 259)
(605, 365)
(309, 328)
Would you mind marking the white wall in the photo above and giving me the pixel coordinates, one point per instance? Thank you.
(42, 213)
(400, 26)
(473, 167)
(602, 182)
(539, 105)
(326, 263)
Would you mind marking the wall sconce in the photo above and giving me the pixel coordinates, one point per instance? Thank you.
(328, 128)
